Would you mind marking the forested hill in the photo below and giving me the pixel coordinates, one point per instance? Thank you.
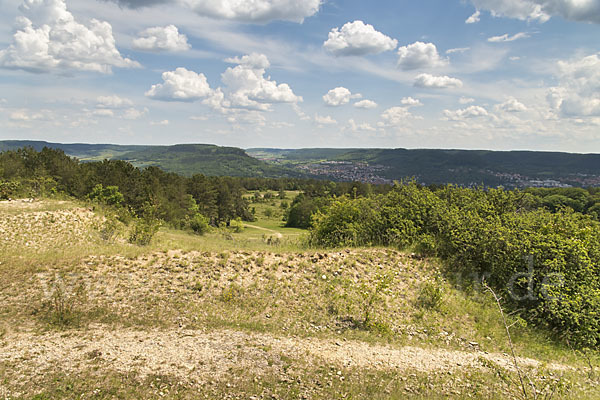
(184, 159)
(82, 151)
(190, 159)
(427, 166)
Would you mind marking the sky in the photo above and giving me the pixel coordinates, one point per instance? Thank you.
(468, 74)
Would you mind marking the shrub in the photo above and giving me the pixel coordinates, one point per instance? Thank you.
(237, 225)
(199, 224)
(8, 189)
(109, 195)
(64, 308)
(345, 223)
(143, 230)
(431, 295)
(426, 245)
(109, 229)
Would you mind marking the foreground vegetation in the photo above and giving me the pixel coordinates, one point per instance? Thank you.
(87, 316)
(129, 289)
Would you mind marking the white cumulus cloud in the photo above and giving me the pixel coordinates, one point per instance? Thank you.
(428, 81)
(366, 104)
(49, 39)
(473, 19)
(419, 55)
(356, 39)
(507, 38)
(324, 120)
(578, 93)
(520, 9)
(511, 105)
(26, 115)
(410, 102)
(103, 112)
(134, 113)
(253, 61)
(458, 50)
(260, 11)
(360, 127)
(180, 85)
(161, 38)
(466, 113)
(339, 96)
(395, 116)
(247, 87)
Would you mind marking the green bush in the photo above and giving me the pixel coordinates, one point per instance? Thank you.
(237, 225)
(345, 223)
(199, 224)
(426, 245)
(64, 308)
(109, 229)
(109, 195)
(8, 189)
(431, 295)
(143, 231)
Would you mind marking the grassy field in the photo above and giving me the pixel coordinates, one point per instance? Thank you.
(242, 315)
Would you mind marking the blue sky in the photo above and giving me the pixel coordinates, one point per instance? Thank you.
(491, 74)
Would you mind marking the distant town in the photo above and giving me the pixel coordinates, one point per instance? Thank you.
(364, 172)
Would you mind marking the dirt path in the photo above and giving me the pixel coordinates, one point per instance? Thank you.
(277, 234)
(198, 356)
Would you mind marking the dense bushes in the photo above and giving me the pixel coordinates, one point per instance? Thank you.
(300, 213)
(547, 265)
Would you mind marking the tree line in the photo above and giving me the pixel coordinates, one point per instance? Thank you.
(170, 197)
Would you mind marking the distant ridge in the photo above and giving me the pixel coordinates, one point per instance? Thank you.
(184, 159)
(428, 166)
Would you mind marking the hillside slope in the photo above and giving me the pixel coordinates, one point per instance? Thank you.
(184, 159)
(208, 317)
(189, 159)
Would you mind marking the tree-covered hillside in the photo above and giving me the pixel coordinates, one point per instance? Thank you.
(184, 159)
(189, 159)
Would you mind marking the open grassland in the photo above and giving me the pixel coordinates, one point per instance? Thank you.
(84, 314)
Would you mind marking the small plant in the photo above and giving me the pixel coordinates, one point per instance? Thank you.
(371, 295)
(271, 240)
(231, 293)
(109, 229)
(65, 308)
(431, 296)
